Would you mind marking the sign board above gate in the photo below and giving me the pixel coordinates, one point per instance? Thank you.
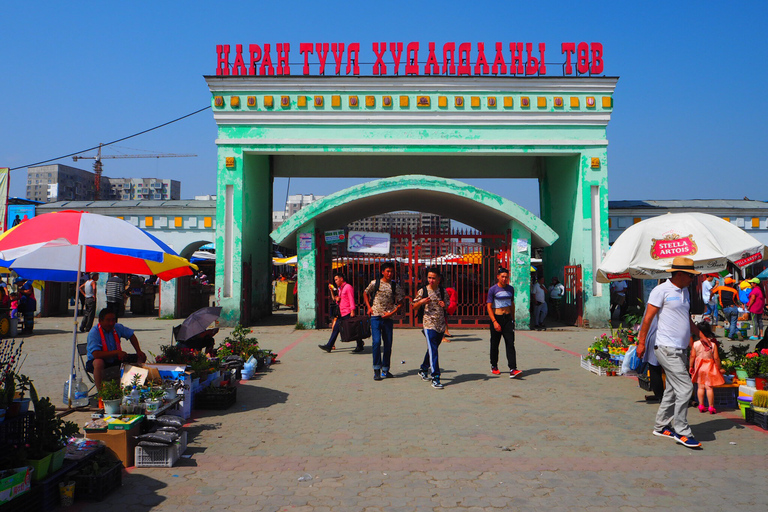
(334, 237)
(368, 243)
(457, 60)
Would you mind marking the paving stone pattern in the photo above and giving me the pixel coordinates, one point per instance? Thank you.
(558, 438)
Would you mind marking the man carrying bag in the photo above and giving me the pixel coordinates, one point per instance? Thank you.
(346, 303)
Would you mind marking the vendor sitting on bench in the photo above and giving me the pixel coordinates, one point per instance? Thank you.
(104, 349)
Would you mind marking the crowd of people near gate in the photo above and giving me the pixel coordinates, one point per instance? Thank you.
(433, 303)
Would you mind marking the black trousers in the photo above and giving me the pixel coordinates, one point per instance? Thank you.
(337, 330)
(507, 325)
(657, 382)
(89, 315)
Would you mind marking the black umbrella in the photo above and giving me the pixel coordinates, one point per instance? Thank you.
(197, 322)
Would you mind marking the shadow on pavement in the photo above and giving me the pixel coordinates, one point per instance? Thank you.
(467, 377)
(708, 431)
(536, 371)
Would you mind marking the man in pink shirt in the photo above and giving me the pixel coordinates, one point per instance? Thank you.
(755, 307)
(345, 298)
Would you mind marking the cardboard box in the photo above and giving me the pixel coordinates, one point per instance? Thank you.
(121, 443)
(16, 484)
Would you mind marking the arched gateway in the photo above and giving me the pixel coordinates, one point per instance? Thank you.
(550, 129)
(478, 208)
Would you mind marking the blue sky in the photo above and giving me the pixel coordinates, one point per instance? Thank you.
(689, 118)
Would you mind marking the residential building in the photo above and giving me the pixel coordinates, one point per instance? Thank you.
(125, 189)
(57, 182)
(294, 203)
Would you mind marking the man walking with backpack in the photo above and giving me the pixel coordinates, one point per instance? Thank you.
(431, 299)
(383, 300)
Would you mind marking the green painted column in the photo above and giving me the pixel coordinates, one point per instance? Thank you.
(567, 187)
(306, 261)
(256, 243)
(229, 235)
(520, 273)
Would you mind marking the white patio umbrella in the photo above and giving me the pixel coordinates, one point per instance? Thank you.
(646, 249)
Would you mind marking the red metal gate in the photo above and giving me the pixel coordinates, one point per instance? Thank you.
(468, 261)
(573, 304)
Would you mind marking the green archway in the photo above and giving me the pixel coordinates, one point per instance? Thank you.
(460, 201)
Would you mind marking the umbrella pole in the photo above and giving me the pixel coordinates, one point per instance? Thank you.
(74, 331)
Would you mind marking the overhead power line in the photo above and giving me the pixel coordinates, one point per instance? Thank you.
(113, 142)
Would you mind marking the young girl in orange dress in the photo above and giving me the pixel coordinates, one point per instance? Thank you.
(705, 367)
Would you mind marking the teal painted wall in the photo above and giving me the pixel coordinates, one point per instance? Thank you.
(256, 244)
(306, 262)
(520, 274)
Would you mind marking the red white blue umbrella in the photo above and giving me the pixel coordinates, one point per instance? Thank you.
(60, 246)
(48, 247)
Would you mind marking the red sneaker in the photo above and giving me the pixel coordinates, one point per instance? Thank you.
(495, 370)
(515, 373)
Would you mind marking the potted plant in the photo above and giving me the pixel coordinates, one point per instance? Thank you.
(7, 393)
(752, 367)
(112, 395)
(23, 384)
(171, 388)
(154, 399)
(738, 354)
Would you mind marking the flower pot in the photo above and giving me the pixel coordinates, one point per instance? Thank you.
(170, 394)
(112, 406)
(41, 467)
(760, 383)
(741, 373)
(23, 404)
(728, 379)
(57, 459)
(152, 405)
(744, 402)
(751, 382)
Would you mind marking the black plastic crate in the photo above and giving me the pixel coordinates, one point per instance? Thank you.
(18, 430)
(218, 399)
(96, 488)
(644, 382)
(758, 418)
(725, 397)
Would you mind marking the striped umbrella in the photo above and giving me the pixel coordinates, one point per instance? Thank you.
(60, 246)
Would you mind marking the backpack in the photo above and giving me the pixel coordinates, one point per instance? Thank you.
(425, 293)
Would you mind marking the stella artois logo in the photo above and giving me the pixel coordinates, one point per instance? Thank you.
(748, 259)
(673, 245)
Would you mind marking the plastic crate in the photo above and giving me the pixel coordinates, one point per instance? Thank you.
(30, 501)
(97, 487)
(216, 400)
(587, 365)
(725, 397)
(160, 456)
(644, 381)
(17, 430)
(758, 418)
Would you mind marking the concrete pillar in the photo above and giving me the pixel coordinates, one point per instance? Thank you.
(306, 264)
(520, 273)
(572, 193)
(229, 235)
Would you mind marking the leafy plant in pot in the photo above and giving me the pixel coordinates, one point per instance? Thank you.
(154, 398)
(111, 394)
(23, 384)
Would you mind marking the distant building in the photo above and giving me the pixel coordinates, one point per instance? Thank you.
(748, 214)
(292, 205)
(415, 222)
(125, 189)
(57, 182)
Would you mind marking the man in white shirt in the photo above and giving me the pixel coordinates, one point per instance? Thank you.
(540, 304)
(672, 303)
(556, 292)
(619, 298)
(88, 290)
(709, 299)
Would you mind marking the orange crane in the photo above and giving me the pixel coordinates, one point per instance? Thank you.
(98, 168)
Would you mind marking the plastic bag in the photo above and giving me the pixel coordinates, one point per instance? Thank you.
(631, 362)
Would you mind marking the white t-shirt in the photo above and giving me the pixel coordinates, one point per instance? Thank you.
(539, 293)
(89, 288)
(706, 290)
(556, 290)
(674, 314)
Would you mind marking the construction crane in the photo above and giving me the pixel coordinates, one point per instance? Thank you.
(98, 168)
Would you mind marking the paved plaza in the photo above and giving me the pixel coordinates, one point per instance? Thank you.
(317, 433)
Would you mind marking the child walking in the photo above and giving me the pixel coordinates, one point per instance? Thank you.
(705, 367)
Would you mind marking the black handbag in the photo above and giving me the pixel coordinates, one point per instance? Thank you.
(355, 328)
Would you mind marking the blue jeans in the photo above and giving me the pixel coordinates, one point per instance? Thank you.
(430, 362)
(732, 315)
(381, 328)
(711, 311)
